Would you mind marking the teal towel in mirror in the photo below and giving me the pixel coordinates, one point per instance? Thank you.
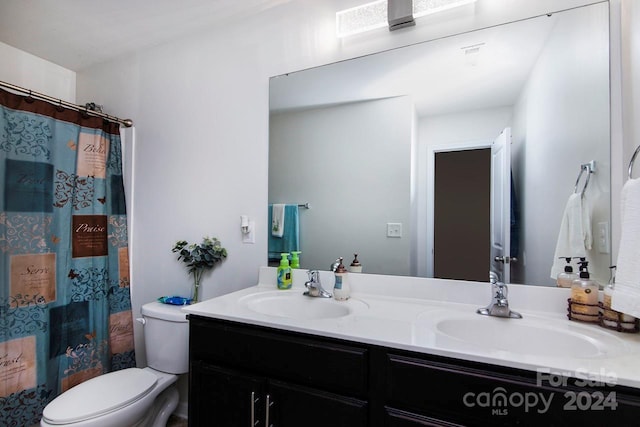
(290, 240)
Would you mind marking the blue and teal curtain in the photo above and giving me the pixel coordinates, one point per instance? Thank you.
(65, 306)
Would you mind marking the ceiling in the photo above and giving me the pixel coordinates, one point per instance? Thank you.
(476, 70)
(76, 34)
(79, 33)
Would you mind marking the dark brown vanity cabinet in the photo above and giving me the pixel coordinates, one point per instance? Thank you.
(244, 375)
(249, 376)
(425, 390)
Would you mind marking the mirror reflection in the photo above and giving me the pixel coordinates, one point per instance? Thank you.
(393, 152)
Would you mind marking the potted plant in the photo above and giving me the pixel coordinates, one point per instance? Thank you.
(199, 258)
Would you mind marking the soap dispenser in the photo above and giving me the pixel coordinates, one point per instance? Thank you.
(341, 289)
(566, 278)
(613, 319)
(284, 272)
(295, 259)
(584, 295)
(355, 266)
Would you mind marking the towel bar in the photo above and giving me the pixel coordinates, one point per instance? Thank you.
(590, 168)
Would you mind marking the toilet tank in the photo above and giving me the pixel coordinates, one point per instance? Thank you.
(166, 337)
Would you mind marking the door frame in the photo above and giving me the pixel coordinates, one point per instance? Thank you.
(432, 150)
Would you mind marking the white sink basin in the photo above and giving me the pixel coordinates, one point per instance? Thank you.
(292, 304)
(528, 336)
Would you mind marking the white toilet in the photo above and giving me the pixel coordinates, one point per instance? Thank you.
(132, 397)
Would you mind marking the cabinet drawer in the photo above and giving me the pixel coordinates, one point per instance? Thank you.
(472, 395)
(318, 362)
(295, 406)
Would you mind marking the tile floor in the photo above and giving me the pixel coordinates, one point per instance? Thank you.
(177, 422)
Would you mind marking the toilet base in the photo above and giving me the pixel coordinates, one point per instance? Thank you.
(162, 408)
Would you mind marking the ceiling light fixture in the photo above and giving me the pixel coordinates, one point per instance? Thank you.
(361, 18)
(393, 14)
(427, 7)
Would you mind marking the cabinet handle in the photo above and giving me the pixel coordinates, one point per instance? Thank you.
(254, 400)
(268, 411)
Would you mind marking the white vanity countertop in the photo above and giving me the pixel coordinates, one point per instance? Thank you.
(438, 317)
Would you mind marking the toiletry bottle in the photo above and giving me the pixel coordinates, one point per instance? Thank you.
(284, 272)
(584, 291)
(566, 278)
(355, 266)
(341, 290)
(611, 317)
(295, 259)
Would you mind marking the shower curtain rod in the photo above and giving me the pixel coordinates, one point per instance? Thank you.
(125, 122)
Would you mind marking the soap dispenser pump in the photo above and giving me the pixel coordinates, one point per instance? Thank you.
(584, 295)
(341, 289)
(566, 278)
(355, 266)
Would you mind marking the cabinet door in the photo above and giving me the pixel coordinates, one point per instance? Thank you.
(224, 398)
(296, 406)
(395, 418)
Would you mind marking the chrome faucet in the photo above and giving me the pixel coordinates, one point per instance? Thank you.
(499, 306)
(314, 287)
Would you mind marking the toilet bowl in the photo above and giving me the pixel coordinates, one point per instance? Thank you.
(132, 397)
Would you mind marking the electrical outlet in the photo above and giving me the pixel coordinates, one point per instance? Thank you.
(394, 229)
(602, 237)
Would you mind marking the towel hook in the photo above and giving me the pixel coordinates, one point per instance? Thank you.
(589, 168)
(633, 159)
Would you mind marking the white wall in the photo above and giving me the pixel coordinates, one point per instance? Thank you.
(331, 157)
(20, 68)
(200, 105)
(543, 123)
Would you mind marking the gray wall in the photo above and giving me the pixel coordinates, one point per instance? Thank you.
(331, 157)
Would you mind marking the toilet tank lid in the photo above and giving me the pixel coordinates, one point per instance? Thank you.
(172, 313)
(99, 395)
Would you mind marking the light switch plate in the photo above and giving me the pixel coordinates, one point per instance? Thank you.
(250, 237)
(394, 229)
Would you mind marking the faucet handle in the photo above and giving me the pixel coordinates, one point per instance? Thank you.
(501, 290)
(493, 277)
(314, 276)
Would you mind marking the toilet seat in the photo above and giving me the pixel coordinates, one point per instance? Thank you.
(100, 395)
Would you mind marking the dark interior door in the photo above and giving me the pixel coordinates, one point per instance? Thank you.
(462, 214)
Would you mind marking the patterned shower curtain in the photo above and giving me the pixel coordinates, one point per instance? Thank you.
(65, 307)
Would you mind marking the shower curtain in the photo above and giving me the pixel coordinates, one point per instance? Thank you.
(65, 306)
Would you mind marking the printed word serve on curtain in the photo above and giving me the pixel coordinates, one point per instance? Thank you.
(65, 307)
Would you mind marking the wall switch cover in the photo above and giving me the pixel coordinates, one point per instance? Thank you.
(394, 229)
(250, 237)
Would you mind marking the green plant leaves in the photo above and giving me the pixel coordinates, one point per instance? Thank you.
(200, 257)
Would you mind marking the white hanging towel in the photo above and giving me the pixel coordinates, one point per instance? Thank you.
(574, 237)
(626, 294)
(277, 220)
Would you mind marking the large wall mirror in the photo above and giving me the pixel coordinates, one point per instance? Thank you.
(393, 151)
